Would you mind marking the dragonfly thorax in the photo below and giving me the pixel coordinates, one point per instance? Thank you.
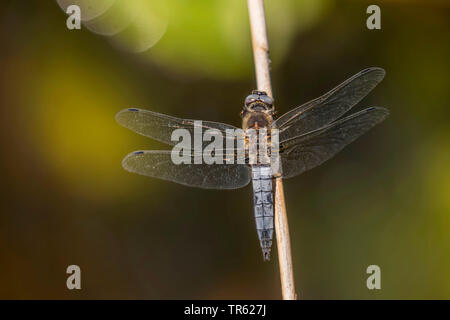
(257, 120)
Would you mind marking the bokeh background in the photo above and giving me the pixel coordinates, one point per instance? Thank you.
(65, 198)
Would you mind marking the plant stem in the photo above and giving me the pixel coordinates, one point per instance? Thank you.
(262, 68)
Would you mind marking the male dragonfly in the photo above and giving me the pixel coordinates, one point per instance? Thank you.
(308, 135)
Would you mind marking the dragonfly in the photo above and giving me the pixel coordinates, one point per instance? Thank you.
(308, 135)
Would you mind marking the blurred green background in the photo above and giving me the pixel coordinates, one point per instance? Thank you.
(65, 198)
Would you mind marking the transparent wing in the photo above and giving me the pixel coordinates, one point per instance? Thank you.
(309, 150)
(159, 164)
(329, 107)
(159, 126)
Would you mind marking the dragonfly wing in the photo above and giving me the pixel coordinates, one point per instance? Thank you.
(159, 164)
(160, 127)
(329, 107)
(309, 150)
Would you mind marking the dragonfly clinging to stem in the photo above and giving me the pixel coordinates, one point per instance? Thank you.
(307, 136)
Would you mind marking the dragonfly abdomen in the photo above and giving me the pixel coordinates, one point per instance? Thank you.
(263, 206)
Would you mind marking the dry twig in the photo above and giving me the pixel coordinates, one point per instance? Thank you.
(262, 68)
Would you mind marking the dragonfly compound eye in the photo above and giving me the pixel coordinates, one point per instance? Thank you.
(267, 100)
(251, 98)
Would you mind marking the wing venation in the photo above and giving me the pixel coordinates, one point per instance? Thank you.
(309, 150)
(330, 106)
(159, 164)
(160, 127)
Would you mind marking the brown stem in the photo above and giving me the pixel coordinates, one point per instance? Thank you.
(262, 68)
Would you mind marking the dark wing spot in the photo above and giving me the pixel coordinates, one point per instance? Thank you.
(138, 152)
(133, 109)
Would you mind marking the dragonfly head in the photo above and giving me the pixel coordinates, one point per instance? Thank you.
(258, 101)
